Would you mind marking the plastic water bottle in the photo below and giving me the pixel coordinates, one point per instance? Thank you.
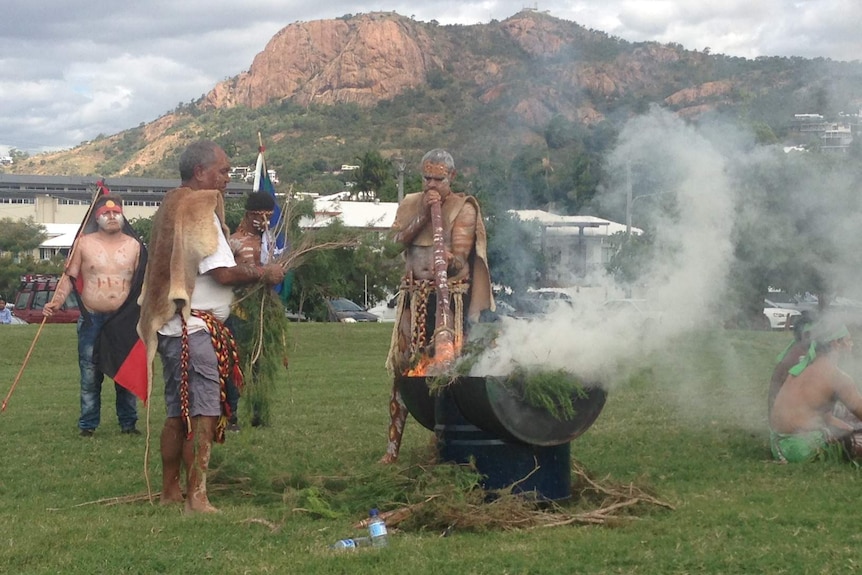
(351, 543)
(377, 529)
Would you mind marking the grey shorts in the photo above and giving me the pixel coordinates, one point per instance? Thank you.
(204, 392)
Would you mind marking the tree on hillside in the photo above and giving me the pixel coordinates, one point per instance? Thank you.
(514, 251)
(376, 175)
(630, 258)
(352, 272)
(20, 236)
(11, 270)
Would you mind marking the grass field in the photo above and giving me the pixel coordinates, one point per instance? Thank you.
(689, 426)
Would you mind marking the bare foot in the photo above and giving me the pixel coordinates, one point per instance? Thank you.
(171, 496)
(388, 458)
(165, 500)
(193, 506)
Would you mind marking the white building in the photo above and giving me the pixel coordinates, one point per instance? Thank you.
(573, 246)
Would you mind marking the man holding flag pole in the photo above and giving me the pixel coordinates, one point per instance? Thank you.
(273, 241)
(105, 267)
(258, 240)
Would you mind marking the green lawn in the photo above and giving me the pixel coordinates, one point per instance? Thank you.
(689, 427)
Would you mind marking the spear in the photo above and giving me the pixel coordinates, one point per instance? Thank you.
(100, 189)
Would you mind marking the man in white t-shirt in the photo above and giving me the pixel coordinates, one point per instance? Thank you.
(186, 298)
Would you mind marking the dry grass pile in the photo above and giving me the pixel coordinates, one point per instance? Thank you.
(425, 496)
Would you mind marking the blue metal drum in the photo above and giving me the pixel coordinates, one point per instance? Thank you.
(543, 472)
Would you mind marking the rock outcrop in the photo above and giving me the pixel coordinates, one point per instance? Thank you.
(361, 60)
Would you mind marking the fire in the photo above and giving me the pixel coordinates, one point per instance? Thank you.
(441, 362)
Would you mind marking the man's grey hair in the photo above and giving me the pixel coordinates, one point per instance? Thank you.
(439, 156)
(200, 153)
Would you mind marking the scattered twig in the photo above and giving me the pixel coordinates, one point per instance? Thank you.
(137, 497)
(273, 527)
(395, 516)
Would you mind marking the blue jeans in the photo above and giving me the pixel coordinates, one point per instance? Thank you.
(91, 379)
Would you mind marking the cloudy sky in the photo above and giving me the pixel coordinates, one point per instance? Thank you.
(70, 71)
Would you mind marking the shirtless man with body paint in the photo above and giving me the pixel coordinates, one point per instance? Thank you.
(103, 263)
(467, 276)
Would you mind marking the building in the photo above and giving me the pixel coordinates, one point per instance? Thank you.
(59, 241)
(373, 216)
(65, 199)
(60, 203)
(836, 138)
(574, 247)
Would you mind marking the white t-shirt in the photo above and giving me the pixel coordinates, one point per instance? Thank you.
(208, 294)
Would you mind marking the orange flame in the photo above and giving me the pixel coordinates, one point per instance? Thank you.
(441, 362)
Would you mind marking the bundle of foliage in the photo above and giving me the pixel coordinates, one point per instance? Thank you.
(441, 497)
(262, 342)
(553, 390)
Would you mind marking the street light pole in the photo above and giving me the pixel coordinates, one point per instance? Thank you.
(628, 199)
(630, 202)
(400, 165)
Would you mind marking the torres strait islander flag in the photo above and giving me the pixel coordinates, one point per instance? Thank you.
(263, 183)
(120, 353)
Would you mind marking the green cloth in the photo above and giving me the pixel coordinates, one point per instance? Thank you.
(825, 335)
(803, 447)
(783, 354)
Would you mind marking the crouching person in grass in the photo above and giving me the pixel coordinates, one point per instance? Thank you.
(790, 356)
(803, 422)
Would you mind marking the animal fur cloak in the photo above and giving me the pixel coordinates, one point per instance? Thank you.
(183, 234)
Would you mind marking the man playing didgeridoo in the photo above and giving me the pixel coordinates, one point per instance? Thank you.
(468, 279)
(186, 298)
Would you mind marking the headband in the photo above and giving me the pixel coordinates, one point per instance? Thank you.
(109, 206)
(434, 170)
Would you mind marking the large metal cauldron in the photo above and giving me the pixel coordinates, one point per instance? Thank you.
(487, 403)
(511, 442)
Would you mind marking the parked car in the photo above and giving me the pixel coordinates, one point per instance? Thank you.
(343, 310)
(385, 311)
(533, 303)
(783, 300)
(294, 316)
(779, 317)
(34, 292)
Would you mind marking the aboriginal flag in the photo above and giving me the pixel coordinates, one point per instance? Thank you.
(120, 353)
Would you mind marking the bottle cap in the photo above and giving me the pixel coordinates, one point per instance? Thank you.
(373, 512)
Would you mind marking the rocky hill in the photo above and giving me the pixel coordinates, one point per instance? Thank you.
(321, 92)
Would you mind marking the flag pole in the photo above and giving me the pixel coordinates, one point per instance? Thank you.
(100, 189)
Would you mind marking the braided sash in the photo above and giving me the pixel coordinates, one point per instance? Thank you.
(420, 291)
(228, 366)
